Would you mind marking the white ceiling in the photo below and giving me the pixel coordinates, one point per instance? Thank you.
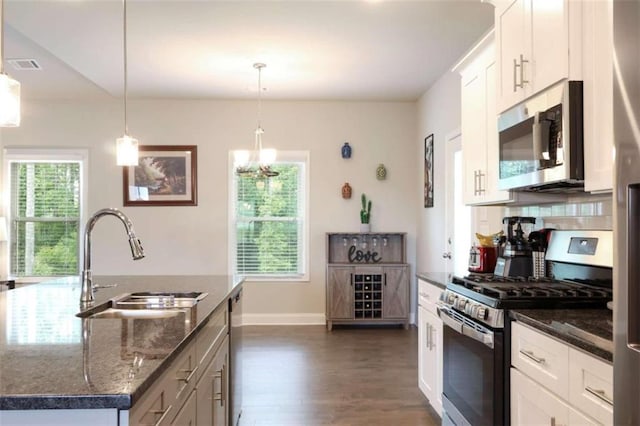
(315, 50)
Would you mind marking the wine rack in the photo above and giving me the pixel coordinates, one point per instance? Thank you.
(368, 295)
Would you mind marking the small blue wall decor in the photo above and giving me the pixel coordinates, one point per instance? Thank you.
(346, 150)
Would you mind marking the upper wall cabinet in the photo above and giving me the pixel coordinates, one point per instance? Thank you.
(479, 126)
(534, 39)
(598, 95)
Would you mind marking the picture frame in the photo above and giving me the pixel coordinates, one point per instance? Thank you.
(428, 171)
(166, 175)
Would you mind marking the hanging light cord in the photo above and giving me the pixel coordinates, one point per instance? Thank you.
(124, 42)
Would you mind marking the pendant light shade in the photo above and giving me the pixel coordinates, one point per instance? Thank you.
(256, 163)
(127, 151)
(9, 88)
(126, 146)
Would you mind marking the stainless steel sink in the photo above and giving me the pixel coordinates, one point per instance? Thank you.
(136, 313)
(145, 305)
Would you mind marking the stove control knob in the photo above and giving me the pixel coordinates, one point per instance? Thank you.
(481, 313)
(461, 303)
(452, 299)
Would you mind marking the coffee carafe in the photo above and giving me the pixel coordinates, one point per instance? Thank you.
(515, 259)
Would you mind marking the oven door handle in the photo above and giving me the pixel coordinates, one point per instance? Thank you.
(457, 323)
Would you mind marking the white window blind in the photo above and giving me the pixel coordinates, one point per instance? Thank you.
(44, 218)
(270, 224)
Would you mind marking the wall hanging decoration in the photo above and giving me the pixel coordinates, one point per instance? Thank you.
(165, 176)
(428, 171)
(346, 150)
(381, 172)
(365, 214)
(346, 190)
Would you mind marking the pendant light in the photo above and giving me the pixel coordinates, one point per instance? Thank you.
(126, 146)
(256, 163)
(9, 88)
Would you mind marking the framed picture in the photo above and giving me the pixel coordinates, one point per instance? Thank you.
(166, 175)
(428, 171)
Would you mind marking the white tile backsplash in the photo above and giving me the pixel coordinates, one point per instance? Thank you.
(579, 212)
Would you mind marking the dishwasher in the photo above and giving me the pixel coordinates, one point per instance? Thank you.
(235, 359)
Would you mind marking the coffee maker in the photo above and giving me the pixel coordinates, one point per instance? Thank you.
(515, 258)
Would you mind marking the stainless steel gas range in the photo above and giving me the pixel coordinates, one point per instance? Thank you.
(476, 336)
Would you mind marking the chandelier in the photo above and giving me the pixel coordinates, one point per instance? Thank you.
(256, 163)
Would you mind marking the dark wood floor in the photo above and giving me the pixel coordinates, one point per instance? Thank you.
(305, 375)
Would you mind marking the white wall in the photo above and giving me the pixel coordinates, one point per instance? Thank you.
(193, 240)
(438, 113)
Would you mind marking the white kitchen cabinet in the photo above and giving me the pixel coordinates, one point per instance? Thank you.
(479, 125)
(598, 95)
(213, 390)
(553, 383)
(187, 414)
(534, 39)
(430, 345)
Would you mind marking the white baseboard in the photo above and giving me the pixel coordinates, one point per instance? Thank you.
(283, 319)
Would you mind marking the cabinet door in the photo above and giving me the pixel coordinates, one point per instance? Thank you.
(213, 390)
(395, 293)
(430, 358)
(473, 135)
(531, 404)
(340, 292)
(598, 95)
(187, 414)
(511, 32)
(549, 61)
(492, 167)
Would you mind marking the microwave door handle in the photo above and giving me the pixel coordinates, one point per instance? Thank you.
(540, 133)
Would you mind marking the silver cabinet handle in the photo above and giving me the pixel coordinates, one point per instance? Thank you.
(162, 417)
(446, 255)
(600, 394)
(531, 356)
(220, 374)
(426, 336)
(515, 74)
(190, 374)
(475, 182)
(431, 344)
(522, 62)
(480, 187)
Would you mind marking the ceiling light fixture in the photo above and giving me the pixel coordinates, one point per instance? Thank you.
(9, 88)
(256, 163)
(126, 146)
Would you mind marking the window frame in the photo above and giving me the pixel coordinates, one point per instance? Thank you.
(44, 155)
(283, 156)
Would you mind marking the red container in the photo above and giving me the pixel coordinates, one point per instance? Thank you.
(483, 259)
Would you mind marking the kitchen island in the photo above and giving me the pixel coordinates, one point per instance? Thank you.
(57, 367)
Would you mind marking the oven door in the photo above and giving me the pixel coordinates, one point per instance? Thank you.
(473, 371)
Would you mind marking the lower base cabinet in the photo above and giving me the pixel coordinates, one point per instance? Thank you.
(213, 390)
(531, 404)
(194, 390)
(367, 294)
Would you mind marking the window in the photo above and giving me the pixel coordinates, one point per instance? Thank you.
(269, 221)
(45, 211)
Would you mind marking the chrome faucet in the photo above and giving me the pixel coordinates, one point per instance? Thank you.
(87, 289)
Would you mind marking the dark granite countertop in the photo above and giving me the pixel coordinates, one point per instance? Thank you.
(436, 278)
(588, 329)
(49, 358)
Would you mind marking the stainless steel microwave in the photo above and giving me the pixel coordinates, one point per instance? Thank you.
(541, 141)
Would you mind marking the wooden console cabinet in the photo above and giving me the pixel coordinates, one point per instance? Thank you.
(367, 279)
